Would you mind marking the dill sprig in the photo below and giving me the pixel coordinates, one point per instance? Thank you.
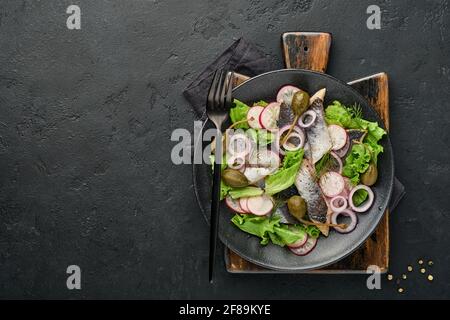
(323, 164)
(355, 111)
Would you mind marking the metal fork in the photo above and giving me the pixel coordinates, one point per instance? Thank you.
(217, 106)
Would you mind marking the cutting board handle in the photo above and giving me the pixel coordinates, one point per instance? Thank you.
(306, 50)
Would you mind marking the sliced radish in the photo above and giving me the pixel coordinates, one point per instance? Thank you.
(306, 248)
(331, 183)
(268, 118)
(253, 117)
(300, 242)
(260, 205)
(243, 205)
(338, 136)
(342, 152)
(285, 94)
(234, 205)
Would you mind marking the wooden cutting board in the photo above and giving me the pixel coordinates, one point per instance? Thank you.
(310, 50)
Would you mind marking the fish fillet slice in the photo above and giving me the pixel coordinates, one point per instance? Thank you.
(309, 190)
(319, 141)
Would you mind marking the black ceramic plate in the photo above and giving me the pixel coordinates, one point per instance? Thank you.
(336, 246)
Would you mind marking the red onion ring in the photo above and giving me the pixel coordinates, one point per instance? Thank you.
(246, 141)
(339, 161)
(348, 213)
(366, 205)
(287, 127)
(301, 121)
(280, 134)
(236, 161)
(301, 138)
(342, 207)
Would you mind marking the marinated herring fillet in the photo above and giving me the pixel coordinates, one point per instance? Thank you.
(309, 190)
(319, 141)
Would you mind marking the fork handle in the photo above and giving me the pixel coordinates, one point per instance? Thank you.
(214, 219)
(215, 207)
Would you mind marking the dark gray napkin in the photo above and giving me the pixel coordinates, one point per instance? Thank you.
(397, 194)
(245, 58)
(242, 57)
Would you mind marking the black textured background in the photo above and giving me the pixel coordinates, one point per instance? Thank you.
(85, 123)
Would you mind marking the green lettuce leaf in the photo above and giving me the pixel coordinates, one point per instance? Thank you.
(312, 231)
(261, 103)
(284, 177)
(239, 113)
(224, 189)
(257, 226)
(374, 131)
(359, 197)
(262, 137)
(269, 229)
(337, 113)
(237, 193)
(374, 135)
(356, 162)
(289, 234)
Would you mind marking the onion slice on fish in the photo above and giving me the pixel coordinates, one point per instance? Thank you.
(280, 134)
(366, 204)
(289, 146)
(349, 227)
(303, 122)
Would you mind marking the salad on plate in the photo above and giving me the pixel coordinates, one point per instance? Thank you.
(292, 169)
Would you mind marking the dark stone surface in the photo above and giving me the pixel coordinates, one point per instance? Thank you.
(85, 127)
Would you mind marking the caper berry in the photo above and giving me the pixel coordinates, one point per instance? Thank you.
(297, 207)
(234, 178)
(300, 102)
(370, 176)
